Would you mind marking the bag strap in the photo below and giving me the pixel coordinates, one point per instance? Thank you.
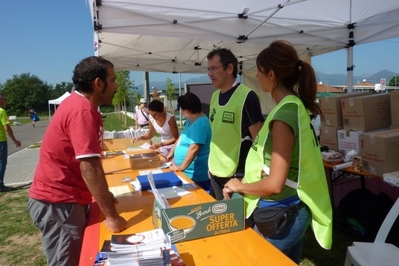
(288, 182)
(146, 117)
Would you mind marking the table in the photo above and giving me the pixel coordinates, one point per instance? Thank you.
(238, 248)
(342, 174)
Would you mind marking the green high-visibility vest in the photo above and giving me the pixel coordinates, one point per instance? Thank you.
(226, 132)
(311, 185)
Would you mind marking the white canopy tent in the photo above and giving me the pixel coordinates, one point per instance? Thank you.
(56, 102)
(175, 36)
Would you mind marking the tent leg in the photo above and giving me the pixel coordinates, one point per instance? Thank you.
(349, 57)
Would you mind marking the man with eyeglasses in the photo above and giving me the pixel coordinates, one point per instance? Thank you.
(5, 127)
(236, 118)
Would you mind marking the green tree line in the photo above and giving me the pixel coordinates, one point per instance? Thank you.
(27, 91)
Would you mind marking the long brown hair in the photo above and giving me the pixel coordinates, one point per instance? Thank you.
(291, 73)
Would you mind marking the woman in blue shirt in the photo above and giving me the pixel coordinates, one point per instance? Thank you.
(191, 150)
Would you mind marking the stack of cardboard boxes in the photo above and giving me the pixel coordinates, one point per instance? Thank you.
(367, 123)
(331, 120)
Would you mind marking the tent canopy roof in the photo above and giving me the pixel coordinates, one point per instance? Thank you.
(59, 99)
(175, 36)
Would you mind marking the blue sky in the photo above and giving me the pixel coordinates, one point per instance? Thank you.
(47, 38)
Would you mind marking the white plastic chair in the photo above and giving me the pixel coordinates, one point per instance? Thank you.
(377, 252)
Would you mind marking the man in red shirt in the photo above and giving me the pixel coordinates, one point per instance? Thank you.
(69, 172)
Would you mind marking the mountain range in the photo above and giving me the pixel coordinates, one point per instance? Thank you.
(328, 79)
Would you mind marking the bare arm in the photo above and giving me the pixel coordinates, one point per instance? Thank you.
(136, 117)
(175, 131)
(171, 154)
(190, 156)
(11, 135)
(93, 175)
(150, 133)
(175, 134)
(283, 140)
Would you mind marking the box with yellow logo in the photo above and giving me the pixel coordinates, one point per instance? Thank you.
(200, 220)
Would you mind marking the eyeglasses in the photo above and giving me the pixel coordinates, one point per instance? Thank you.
(213, 68)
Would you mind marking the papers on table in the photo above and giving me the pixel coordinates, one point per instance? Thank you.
(146, 146)
(120, 191)
(165, 165)
(144, 248)
(146, 172)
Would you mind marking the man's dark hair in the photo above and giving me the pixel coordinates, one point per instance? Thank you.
(226, 58)
(190, 102)
(156, 106)
(88, 70)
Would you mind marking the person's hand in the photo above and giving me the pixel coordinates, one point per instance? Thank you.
(175, 168)
(230, 187)
(17, 143)
(155, 146)
(116, 224)
(227, 192)
(134, 140)
(169, 157)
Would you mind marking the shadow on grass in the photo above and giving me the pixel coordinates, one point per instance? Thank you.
(314, 255)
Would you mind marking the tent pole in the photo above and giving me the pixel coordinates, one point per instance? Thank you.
(349, 58)
(349, 69)
(146, 86)
(180, 118)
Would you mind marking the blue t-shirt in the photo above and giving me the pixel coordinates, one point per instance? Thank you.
(198, 132)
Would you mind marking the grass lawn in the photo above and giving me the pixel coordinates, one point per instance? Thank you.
(115, 122)
(21, 244)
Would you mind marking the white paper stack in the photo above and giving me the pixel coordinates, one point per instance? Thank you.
(144, 248)
(391, 178)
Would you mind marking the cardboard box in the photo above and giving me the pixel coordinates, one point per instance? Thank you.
(200, 220)
(395, 108)
(380, 152)
(328, 137)
(350, 139)
(366, 112)
(145, 161)
(331, 108)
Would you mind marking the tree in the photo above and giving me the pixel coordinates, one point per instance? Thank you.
(24, 92)
(61, 88)
(394, 82)
(122, 93)
(170, 93)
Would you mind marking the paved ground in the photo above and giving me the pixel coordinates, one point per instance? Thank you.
(22, 161)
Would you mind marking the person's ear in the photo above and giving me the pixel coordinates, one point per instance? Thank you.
(97, 83)
(271, 74)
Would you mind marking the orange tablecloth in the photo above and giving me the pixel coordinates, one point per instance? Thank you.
(238, 248)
